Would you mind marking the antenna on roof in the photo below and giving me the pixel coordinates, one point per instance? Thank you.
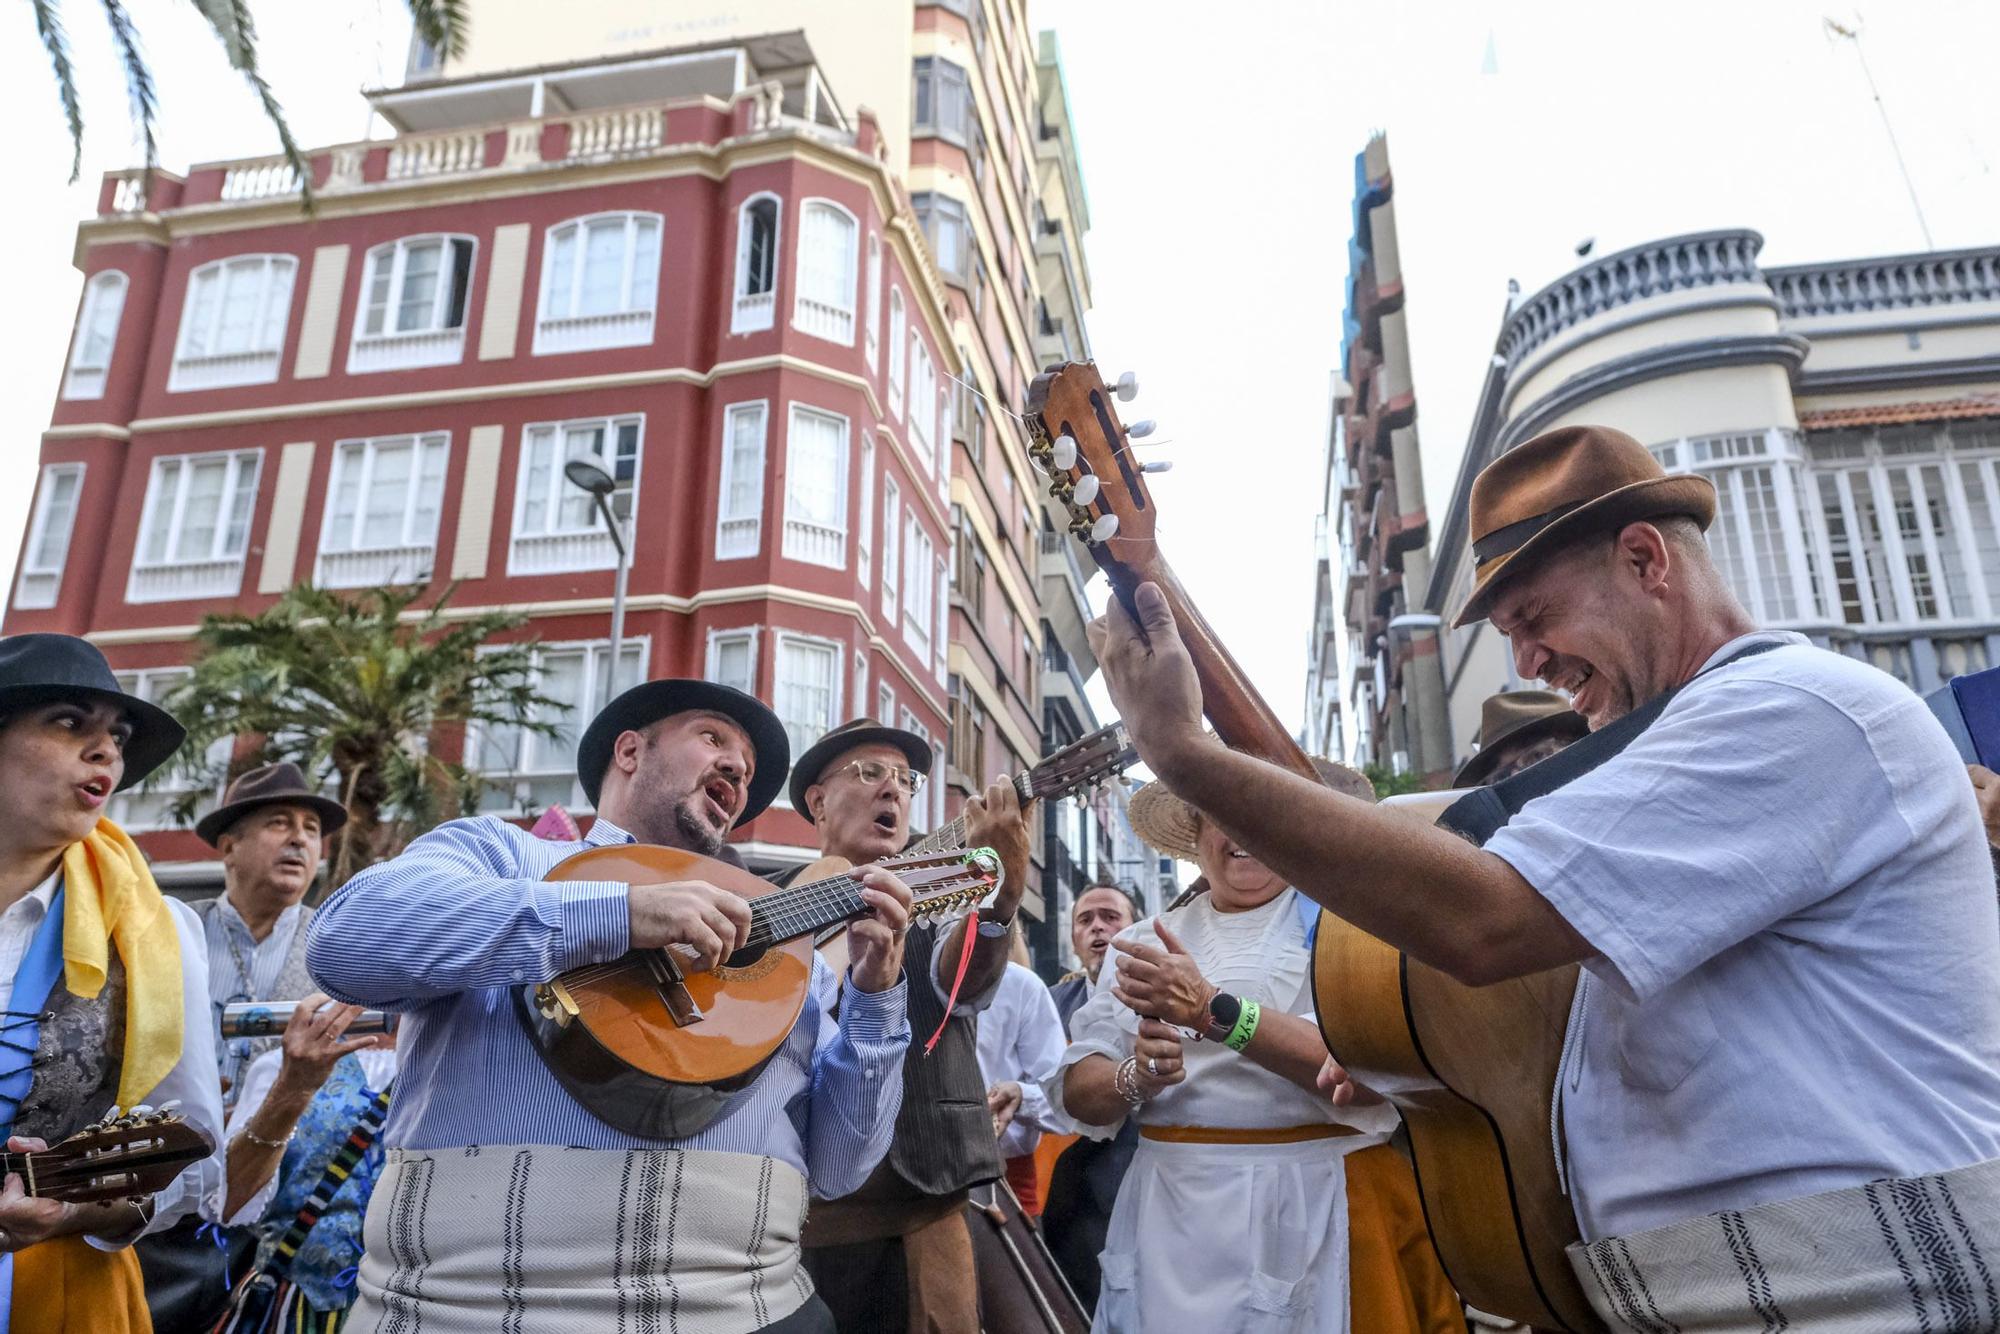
(1852, 32)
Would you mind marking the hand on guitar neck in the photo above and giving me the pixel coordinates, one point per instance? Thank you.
(713, 923)
(1419, 888)
(26, 1220)
(997, 820)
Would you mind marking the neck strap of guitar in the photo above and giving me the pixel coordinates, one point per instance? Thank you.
(1480, 815)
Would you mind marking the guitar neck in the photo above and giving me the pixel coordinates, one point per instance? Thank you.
(801, 910)
(1237, 712)
(951, 834)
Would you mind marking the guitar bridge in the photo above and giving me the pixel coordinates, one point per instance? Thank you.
(669, 982)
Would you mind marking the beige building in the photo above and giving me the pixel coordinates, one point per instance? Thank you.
(1847, 412)
(1372, 665)
(973, 120)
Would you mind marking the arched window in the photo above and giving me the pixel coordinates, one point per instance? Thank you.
(233, 322)
(756, 264)
(414, 294)
(897, 345)
(96, 335)
(600, 283)
(826, 271)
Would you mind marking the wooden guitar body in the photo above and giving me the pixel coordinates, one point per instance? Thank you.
(1473, 1072)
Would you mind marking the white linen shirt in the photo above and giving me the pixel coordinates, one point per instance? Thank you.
(1797, 986)
(191, 1082)
(1021, 1039)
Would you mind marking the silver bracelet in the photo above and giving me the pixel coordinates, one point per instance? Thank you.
(261, 1142)
(1125, 1082)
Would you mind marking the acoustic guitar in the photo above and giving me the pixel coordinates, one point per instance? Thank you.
(1472, 1070)
(129, 1158)
(1077, 767)
(655, 1046)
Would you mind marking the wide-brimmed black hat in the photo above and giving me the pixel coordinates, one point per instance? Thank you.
(278, 784)
(643, 705)
(858, 732)
(36, 669)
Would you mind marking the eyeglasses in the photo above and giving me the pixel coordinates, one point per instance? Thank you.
(872, 772)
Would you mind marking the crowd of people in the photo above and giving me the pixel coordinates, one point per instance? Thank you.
(1764, 857)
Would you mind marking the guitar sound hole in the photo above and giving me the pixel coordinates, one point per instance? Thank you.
(746, 956)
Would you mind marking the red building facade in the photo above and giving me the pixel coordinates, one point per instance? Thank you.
(721, 290)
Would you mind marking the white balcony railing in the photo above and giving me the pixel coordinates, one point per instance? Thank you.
(614, 133)
(735, 538)
(186, 580)
(834, 323)
(84, 382)
(815, 544)
(406, 351)
(561, 553)
(437, 154)
(129, 194)
(584, 333)
(223, 370)
(37, 589)
(259, 178)
(371, 567)
(753, 312)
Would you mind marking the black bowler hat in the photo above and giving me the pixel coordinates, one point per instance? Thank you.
(645, 704)
(38, 669)
(272, 785)
(857, 732)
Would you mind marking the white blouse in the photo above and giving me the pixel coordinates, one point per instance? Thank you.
(1259, 955)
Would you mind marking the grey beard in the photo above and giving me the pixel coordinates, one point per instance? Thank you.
(700, 838)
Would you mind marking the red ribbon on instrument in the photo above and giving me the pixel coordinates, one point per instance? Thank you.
(957, 980)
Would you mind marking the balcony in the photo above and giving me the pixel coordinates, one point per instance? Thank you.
(815, 544)
(369, 568)
(223, 370)
(562, 553)
(823, 320)
(589, 333)
(406, 351)
(1062, 585)
(617, 133)
(421, 155)
(754, 313)
(183, 581)
(1899, 282)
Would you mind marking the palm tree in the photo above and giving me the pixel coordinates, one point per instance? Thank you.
(355, 688)
(442, 24)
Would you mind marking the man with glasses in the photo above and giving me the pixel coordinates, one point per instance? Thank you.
(896, 1254)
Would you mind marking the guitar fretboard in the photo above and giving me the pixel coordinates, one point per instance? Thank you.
(951, 834)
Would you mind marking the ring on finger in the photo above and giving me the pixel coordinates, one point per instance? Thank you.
(1152, 1065)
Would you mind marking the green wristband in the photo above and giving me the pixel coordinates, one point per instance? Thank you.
(1246, 1025)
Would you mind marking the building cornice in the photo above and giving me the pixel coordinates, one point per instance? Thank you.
(1749, 297)
(1916, 375)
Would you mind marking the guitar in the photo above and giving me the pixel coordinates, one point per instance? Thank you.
(1082, 764)
(124, 1159)
(655, 1047)
(1479, 1126)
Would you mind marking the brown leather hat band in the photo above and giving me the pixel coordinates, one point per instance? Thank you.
(1503, 540)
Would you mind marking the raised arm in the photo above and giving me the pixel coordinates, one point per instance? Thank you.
(995, 820)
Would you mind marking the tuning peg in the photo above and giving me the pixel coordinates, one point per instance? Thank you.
(1127, 387)
(1163, 465)
(1063, 455)
(1086, 490)
(1142, 428)
(1104, 529)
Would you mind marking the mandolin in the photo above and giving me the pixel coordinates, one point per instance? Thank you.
(1479, 1125)
(1082, 764)
(128, 1158)
(656, 1047)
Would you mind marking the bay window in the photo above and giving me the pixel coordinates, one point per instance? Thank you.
(196, 527)
(556, 524)
(233, 323)
(600, 283)
(414, 297)
(756, 264)
(96, 335)
(816, 487)
(740, 509)
(808, 687)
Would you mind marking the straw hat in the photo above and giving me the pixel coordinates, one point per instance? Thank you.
(1565, 484)
(1169, 824)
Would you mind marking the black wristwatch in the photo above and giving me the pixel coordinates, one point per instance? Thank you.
(1223, 1012)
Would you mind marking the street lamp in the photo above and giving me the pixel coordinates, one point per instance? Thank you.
(592, 473)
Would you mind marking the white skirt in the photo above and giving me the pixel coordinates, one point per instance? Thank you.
(1229, 1239)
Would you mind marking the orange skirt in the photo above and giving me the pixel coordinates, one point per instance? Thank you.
(1395, 1281)
(68, 1286)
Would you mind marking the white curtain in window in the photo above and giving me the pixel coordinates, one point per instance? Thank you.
(732, 659)
(891, 545)
(386, 493)
(237, 306)
(198, 508)
(873, 315)
(816, 487)
(896, 351)
(864, 538)
(602, 266)
(918, 559)
(826, 271)
(741, 507)
(808, 689)
(96, 334)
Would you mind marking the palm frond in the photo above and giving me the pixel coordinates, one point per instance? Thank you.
(138, 82)
(443, 25)
(55, 41)
(237, 31)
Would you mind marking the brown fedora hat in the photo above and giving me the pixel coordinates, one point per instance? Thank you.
(1565, 484)
(272, 785)
(1519, 716)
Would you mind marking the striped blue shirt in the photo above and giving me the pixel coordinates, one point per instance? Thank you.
(446, 932)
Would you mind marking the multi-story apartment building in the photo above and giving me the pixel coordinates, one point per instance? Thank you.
(1386, 684)
(974, 119)
(696, 263)
(1847, 412)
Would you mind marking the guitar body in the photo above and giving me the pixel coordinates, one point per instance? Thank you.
(609, 1038)
(1472, 1070)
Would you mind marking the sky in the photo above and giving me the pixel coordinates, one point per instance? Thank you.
(1218, 159)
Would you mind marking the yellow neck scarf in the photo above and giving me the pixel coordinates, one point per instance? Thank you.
(109, 896)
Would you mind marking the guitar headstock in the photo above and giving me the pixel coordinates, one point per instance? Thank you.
(1103, 754)
(946, 883)
(1075, 437)
(128, 1158)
